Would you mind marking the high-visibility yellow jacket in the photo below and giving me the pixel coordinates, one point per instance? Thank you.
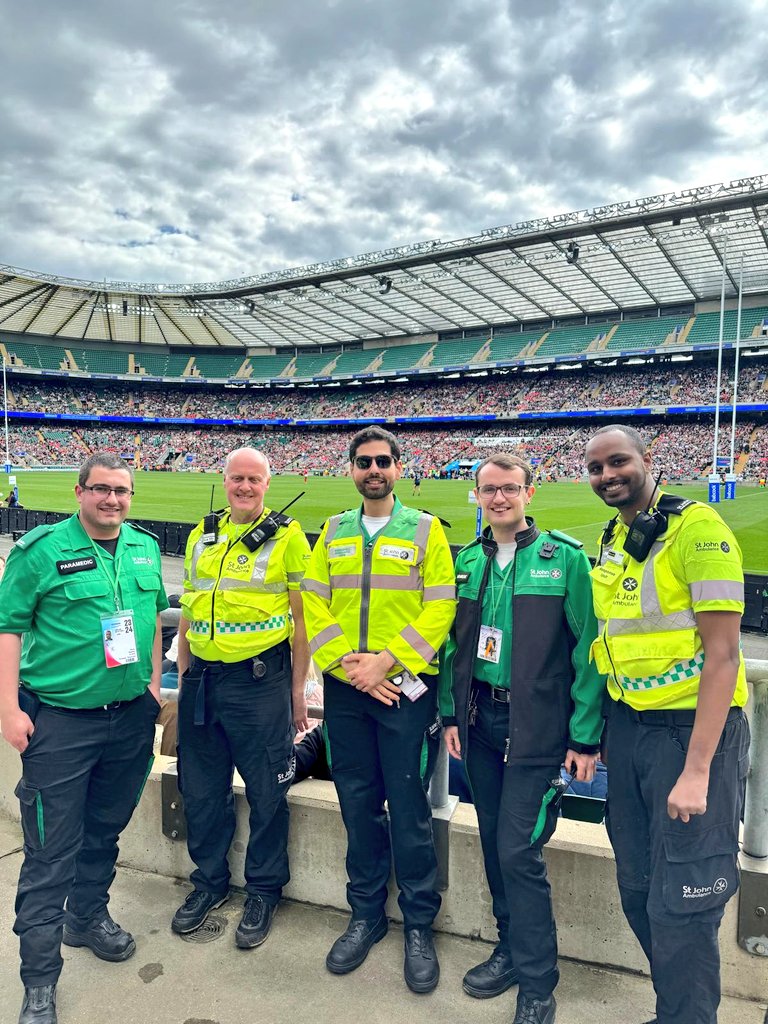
(648, 644)
(236, 600)
(394, 591)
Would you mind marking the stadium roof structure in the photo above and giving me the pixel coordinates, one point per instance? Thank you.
(660, 251)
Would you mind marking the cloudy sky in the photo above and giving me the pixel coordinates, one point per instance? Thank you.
(192, 140)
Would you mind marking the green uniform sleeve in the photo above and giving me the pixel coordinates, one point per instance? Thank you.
(445, 699)
(586, 725)
(19, 592)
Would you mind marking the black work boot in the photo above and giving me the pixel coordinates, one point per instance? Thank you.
(421, 967)
(354, 945)
(194, 910)
(104, 938)
(535, 1011)
(492, 977)
(255, 923)
(39, 1005)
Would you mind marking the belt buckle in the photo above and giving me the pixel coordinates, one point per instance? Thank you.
(500, 695)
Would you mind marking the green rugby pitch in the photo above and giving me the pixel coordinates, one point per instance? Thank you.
(571, 507)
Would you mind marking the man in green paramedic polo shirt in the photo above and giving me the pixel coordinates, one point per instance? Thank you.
(80, 659)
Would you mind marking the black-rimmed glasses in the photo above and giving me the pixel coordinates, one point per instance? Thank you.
(364, 461)
(102, 491)
(488, 491)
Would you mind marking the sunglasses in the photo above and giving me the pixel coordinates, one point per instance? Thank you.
(364, 461)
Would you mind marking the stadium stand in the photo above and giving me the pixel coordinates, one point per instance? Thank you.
(706, 326)
(218, 364)
(162, 364)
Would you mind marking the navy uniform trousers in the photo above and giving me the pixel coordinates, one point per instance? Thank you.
(675, 877)
(244, 723)
(82, 776)
(508, 799)
(383, 753)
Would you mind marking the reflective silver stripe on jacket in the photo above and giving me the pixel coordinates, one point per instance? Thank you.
(379, 581)
(440, 592)
(653, 620)
(316, 587)
(325, 636)
(421, 536)
(199, 582)
(717, 590)
(258, 573)
(333, 525)
(418, 643)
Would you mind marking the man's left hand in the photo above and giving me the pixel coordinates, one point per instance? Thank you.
(299, 702)
(688, 796)
(580, 766)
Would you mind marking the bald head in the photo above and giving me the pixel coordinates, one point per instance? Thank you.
(247, 453)
(246, 479)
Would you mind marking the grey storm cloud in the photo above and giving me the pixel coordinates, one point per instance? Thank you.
(190, 141)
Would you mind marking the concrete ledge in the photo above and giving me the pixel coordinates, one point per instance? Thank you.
(591, 925)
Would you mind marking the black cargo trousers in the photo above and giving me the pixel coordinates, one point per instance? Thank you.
(228, 719)
(675, 877)
(82, 776)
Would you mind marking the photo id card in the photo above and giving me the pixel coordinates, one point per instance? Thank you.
(119, 639)
(489, 644)
(412, 687)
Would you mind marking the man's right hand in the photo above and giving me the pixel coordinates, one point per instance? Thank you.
(17, 727)
(452, 741)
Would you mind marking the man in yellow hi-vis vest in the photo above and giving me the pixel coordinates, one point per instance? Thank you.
(669, 594)
(242, 621)
(379, 599)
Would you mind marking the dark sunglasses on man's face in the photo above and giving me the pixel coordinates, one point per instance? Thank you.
(364, 461)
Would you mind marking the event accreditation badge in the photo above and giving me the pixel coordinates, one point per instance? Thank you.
(489, 644)
(119, 639)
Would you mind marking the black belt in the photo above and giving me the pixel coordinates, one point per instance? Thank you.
(679, 716)
(113, 706)
(279, 653)
(500, 694)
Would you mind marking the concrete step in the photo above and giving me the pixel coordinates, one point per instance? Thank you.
(172, 981)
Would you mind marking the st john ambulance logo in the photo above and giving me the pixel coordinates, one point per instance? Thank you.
(630, 583)
(242, 559)
(556, 574)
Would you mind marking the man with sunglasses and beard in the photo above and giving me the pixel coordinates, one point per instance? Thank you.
(379, 599)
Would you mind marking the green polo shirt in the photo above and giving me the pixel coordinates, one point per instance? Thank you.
(55, 590)
(497, 611)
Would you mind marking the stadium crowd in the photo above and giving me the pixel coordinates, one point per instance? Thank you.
(500, 395)
(684, 450)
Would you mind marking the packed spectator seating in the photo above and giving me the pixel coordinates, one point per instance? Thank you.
(499, 395)
(683, 450)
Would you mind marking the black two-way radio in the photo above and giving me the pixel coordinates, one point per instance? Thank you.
(648, 526)
(269, 526)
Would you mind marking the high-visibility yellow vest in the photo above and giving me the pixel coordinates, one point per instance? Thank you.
(393, 592)
(236, 600)
(648, 644)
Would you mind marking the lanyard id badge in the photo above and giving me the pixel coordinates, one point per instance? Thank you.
(119, 639)
(412, 687)
(489, 644)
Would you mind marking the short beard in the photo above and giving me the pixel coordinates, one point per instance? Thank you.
(362, 488)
